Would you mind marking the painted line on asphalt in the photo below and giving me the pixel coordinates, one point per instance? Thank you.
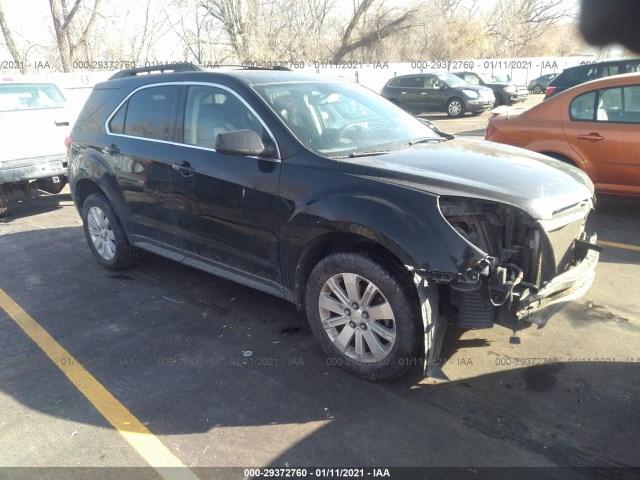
(625, 246)
(134, 432)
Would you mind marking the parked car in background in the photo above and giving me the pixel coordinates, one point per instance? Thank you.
(321, 192)
(437, 92)
(34, 121)
(570, 77)
(505, 91)
(595, 126)
(539, 85)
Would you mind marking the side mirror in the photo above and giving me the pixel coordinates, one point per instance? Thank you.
(240, 142)
(443, 87)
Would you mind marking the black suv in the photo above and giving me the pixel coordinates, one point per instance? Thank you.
(323, 193)
(431, 92)
(506, 91)
(570, 77)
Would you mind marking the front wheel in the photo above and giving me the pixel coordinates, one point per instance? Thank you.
(455, 107)
(364, 316)
(105, 234)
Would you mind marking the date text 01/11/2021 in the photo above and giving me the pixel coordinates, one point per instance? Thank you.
(321, 473)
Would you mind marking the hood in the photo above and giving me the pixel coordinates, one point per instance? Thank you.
(535, 183)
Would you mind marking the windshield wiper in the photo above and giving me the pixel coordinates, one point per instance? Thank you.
(426, 140)
(363, 154)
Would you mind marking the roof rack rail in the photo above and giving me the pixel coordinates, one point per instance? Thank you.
(247, 66)
(167, 67)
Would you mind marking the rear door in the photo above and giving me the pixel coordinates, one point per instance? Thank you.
(140, 148)
(408, 91)
(227, 206)
(602, 127)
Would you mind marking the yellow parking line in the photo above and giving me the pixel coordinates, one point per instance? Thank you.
(619, 245)
(133, 431)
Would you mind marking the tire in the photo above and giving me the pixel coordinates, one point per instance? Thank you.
(105, 235)
(537, 89)
(374, 348)
(455, 107)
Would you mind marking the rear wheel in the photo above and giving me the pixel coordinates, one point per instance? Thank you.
(364, 316)
(537, 89)
(105, 234)
(455, 107)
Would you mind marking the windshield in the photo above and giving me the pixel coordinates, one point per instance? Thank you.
(452, 80)
(28, 96)
(340, 119)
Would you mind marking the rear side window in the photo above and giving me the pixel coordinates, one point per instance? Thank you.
(611, 105)
(583, 107)
(117, 122)
(29, 96)
(148, 113)
(629, 66)
(411, 82)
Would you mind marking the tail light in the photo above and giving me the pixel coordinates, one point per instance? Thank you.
(549, 92)
(490, 131)
(67, 143)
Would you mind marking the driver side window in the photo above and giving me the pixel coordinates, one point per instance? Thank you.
(210, 111)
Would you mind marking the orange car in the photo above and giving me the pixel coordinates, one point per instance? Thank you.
(595, 126)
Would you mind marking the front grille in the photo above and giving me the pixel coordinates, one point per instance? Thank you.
(562, 242)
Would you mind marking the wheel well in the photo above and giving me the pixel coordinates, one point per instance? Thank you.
(343, 242)
(559, 156)
(83, 189)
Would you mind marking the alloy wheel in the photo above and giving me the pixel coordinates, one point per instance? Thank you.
(357, 317)
(101, 233)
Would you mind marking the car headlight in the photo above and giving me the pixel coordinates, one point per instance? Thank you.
(510, 89)
(470, 93)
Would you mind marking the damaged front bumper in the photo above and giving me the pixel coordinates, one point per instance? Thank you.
(537, 307)
(13, 171)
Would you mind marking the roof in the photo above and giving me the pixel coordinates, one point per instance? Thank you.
(193, 73)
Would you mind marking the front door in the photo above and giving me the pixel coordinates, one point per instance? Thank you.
(226, 206)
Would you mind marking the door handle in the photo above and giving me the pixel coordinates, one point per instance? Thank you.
(403, 93)
(592, 137)
(61, 124)
(184, 168)
(423, 93)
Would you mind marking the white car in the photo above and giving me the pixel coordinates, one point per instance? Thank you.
(34, 121)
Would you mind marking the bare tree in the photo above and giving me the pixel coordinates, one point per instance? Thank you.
(519, 26)
(238, 19)
(198, 31)
(362, 32)
(8, 40)
(155, 25)
(72, 27)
